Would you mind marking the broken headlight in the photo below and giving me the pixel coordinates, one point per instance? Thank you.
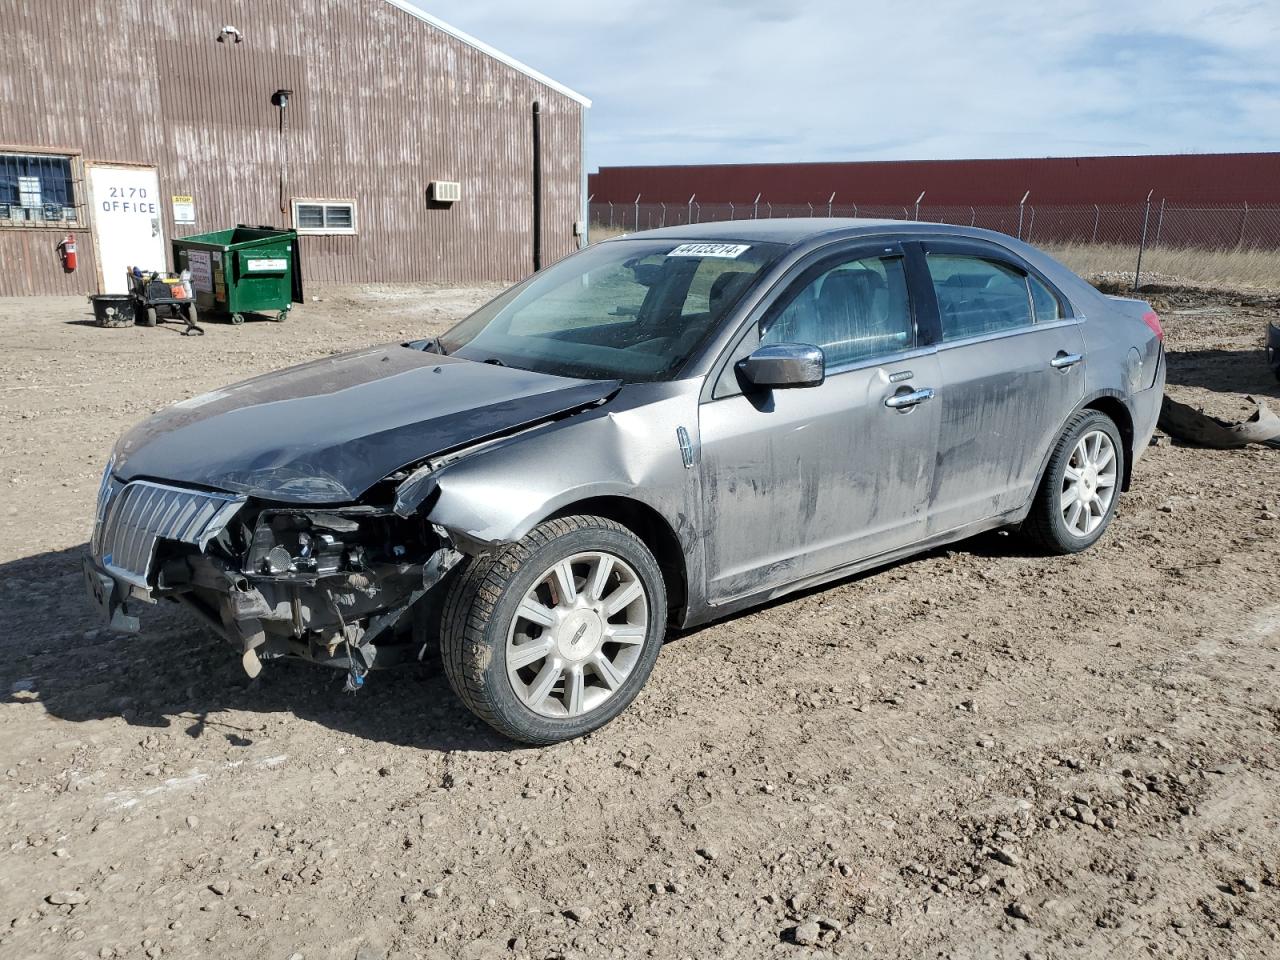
(306, 545)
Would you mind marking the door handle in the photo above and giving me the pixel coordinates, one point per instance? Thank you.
(1065, 360)
(901, 401)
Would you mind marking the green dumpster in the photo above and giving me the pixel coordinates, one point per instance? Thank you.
(243, 270)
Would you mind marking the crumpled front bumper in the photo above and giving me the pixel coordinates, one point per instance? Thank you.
(108, 597)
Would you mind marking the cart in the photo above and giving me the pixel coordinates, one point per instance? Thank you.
(158, 296)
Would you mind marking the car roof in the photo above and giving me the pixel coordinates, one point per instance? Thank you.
(792, 230)
(805, 232)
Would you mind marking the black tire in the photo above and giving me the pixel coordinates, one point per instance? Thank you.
(237, 318)
(481, 606)
(1045, 524)
(148, 317)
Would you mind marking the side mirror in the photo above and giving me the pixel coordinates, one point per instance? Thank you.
(777, 366)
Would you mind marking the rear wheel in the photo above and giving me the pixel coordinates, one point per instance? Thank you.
(554, 636)
(1081, 485)
(148, 317)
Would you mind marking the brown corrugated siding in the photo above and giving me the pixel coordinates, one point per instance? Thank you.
(383, 104)
(1223, 178)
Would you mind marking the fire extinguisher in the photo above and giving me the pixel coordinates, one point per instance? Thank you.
(68, 246)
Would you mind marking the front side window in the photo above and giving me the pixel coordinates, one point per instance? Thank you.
(36, 188)
(977, 297)
(324, 216)
(854, 311)
(634, 310)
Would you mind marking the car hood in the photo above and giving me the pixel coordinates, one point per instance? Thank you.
(327, 431)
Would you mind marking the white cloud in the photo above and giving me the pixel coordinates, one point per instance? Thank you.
(759, 80)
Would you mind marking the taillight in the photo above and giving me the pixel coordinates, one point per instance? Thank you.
(1152, 320)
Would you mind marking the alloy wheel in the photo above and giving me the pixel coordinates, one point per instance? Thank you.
(577, 634)
(1088, 483)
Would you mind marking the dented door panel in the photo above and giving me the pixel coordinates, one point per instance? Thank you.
(804, 480)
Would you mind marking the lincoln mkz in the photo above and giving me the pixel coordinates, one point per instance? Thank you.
(657, 431)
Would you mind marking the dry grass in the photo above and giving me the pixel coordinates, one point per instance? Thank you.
(1237, 267)
(1247, 267)
(600, 232)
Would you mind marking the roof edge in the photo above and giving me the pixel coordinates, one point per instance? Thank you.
(484, 48)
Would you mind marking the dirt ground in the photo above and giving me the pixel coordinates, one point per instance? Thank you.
(980, 753)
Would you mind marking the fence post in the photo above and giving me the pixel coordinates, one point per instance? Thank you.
(637, 213)
(697, 211)
(810, 209)
(664, 215)
(610, 214)
(1142, 244)
(1243, 222)
(918, 199)
(755, 209)
(770, 206)
(733, 211)
(1021, 205)
(691, 199)
(855, 211)
(831, 201)
(973, 217)
(1159, 223)
(1097, 213)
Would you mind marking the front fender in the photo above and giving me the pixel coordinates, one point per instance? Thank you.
(624, 450)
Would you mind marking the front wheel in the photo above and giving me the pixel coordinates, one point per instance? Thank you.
(554, 636)
(1081, 485)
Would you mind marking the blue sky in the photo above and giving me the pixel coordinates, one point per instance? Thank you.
(708, 81)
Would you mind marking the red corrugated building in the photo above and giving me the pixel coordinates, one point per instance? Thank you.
(1205, 178)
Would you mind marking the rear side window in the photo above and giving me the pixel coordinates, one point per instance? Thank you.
(853, 311)
(977, 296)
(1047, 306)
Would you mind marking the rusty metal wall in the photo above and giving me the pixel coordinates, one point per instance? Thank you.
(383, 104)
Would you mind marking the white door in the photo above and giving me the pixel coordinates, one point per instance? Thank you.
(125, 205)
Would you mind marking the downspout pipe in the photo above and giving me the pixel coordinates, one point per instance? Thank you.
(537, 186)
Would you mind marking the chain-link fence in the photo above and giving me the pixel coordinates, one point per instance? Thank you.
(1175, 225)
(1134, 228)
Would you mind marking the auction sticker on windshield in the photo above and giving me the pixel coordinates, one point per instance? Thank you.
(728, 251)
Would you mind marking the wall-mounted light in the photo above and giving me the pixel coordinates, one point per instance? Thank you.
(231, 33)
(281, 98)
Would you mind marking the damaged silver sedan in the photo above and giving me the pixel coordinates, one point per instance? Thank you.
(657, 431)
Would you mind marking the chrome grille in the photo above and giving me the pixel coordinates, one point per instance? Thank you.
(132, 518)
(107, 489)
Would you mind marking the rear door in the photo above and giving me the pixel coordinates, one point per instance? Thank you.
(1011, 365)
(801, 481)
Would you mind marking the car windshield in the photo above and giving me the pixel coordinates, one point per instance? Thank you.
(631, 310)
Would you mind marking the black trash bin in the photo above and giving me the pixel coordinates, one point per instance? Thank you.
(113, 309)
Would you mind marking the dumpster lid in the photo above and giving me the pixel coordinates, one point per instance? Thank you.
(239, 237)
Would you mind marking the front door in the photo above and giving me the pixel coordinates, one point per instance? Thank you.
(124, 201)
(801, 481)
(1012, 369)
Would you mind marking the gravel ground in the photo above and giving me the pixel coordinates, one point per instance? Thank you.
(977, 753)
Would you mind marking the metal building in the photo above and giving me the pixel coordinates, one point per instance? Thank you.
(1207, 178)
(400, 148)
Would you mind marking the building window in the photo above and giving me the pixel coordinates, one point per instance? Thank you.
(36, 188)
(324, 216)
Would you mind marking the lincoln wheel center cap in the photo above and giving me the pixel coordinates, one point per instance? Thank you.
(578, 635)
(1090, 481)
